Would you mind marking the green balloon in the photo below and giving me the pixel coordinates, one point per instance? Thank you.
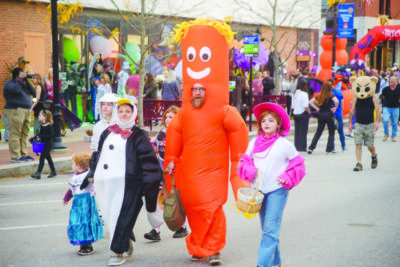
(71, 51)
(133, 51)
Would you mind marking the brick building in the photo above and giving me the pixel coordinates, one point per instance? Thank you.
(23, 34)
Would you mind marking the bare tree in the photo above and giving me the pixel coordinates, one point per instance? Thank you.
(146, 19)
(282, 17)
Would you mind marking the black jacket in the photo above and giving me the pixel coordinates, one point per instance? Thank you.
(143, 175)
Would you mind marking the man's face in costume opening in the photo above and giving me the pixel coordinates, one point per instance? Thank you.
(198, 95)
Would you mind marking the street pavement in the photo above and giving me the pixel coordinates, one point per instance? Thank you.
(335, 217)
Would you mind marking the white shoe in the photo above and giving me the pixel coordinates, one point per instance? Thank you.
(116, 260)
(131, 248)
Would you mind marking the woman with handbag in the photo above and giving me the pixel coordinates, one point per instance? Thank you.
(301, 115)
(40, 99)
(281, 168)
(323, 103)
(125, 168)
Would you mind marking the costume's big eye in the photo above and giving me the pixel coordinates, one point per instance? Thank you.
(367, 89)
(205, 54)
(191, 53)
(358, 89)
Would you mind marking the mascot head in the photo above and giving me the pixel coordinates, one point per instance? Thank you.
(364, 86)
(205, 60)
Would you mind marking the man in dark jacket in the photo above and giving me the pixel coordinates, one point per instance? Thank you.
(268, 84)
(17, 93)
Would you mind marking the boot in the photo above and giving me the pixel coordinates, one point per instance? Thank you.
(52, 174)
(36, 175)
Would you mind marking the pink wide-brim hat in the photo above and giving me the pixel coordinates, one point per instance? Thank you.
(285, 120)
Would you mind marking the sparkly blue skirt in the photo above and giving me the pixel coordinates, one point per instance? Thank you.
(84, 223)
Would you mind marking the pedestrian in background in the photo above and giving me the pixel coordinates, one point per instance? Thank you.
(339, 114)
(45, 136)
(390, 104)
(257, 83)
(301, 115)
(38, 105)
(170, 88)
(150, 87)
(268, 83)
(325, 103)
(85, 226)
(280, 168)
(17, 94)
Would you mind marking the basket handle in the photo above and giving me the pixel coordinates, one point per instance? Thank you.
(257, 185)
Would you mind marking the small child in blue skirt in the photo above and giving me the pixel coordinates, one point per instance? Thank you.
(85, 226)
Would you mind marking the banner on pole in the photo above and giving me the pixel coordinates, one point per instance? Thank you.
(345, 20)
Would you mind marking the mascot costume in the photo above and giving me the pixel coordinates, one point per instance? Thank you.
(206, 138)
(364, 104)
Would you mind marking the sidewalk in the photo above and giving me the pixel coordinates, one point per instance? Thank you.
(75, 143)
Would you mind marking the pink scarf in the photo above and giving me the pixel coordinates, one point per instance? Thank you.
(263, 142)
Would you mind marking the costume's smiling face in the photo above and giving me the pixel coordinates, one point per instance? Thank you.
(201, 55)
(364, 86)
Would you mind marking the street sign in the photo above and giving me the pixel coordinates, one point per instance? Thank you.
(345, 20)
(250, 45)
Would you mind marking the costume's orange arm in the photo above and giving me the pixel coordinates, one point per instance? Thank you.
(173, 147)
(238, 140)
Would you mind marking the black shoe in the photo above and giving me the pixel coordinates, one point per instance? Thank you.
(52, 174)
(215, 260)
(84, 251)
(182, 232)
(374, 161)
(195, 258)
(152, 235)
(309, 151)
(36, 175)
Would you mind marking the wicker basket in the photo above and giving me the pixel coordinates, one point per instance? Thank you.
(249, 200)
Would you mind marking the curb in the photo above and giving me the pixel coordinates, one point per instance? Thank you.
(65, 163)
(28, 168)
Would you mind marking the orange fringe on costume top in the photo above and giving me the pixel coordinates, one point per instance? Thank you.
(201, 138)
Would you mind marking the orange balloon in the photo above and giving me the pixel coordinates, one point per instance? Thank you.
(205, 138)
(325, 59)
(347, 98)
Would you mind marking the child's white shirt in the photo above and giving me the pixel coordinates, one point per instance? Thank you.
(272, 165)
(76, 181)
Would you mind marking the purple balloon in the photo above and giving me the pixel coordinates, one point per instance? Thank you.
(243, 62)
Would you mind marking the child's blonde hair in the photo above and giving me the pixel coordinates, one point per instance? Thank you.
(47, 115)
(174, 109)
(131, 92)
(82, 159)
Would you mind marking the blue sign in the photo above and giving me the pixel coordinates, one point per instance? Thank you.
(250, 45)
(345, 21)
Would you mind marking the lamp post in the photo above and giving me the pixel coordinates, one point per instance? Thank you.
(57, 142)
(334, 32)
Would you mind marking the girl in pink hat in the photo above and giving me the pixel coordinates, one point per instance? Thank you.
(280, 167)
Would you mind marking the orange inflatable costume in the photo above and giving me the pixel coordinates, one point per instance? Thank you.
(206, 138)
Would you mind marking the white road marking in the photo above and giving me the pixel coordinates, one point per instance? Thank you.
(35, 184)
(31, 202)
(32, 226)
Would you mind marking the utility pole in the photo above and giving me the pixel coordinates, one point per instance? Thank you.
(57, 142)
